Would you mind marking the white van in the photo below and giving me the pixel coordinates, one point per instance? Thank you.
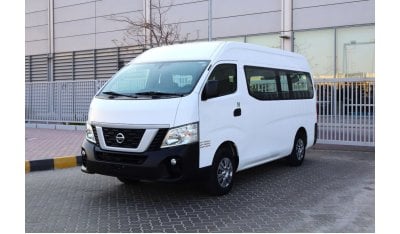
(206, 110)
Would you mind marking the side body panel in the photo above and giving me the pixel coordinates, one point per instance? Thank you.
(266, 129)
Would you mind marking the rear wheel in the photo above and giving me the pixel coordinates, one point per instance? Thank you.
(222, 172)
(298, 152)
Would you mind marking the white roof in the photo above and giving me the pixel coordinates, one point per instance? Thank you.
(180, 52)
(222, 50)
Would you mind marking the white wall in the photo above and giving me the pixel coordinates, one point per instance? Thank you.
(331, 13)
(85, 24)
(36, 27)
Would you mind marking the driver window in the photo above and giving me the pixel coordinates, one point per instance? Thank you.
(227, 79)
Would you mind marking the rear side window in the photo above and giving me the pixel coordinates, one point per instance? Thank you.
(277, 84)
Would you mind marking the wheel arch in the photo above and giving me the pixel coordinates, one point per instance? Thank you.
(232, 147)
(301, 132)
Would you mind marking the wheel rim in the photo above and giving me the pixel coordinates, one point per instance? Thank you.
(225, 172)
(300, 149)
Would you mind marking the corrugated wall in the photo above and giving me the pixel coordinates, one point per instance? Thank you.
(79, 65)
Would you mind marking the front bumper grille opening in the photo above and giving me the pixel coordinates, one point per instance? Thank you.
(120, 158)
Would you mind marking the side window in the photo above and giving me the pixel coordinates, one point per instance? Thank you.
(261, 83)
(227, 78)
(301, 85)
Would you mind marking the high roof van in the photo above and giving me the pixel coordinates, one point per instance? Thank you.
(201, 110)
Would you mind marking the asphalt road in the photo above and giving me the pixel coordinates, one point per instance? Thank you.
(333, 191)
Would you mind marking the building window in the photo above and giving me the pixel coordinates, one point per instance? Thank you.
(355, 52)
(318, 46)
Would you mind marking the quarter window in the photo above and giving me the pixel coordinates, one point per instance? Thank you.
(301, 85)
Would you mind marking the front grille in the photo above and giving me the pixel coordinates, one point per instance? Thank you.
(120, 158)
(132, 137)
(156, 143)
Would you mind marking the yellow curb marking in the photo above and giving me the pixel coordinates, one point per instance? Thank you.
(64, 162)
(27, 166)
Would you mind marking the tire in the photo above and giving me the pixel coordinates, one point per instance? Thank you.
(222, 173)
(127, 181)
(296, 158)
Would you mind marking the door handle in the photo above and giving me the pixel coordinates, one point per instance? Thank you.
(237, 112)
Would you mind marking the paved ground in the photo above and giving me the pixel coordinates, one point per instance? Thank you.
(333, 191)
(47, 143)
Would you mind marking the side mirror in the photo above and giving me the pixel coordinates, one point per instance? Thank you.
(210, 90)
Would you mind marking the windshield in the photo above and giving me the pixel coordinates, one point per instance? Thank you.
(155, 79)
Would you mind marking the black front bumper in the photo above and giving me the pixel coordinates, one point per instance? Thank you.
(151, 165)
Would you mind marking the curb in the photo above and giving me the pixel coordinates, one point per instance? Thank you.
(54, 163)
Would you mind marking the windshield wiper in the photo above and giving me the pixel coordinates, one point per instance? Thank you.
(156, 93)
(115, 94)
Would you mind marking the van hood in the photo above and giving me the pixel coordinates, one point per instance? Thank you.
(134, 112)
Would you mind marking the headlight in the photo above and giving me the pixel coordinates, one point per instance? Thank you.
(181, 135)
(89, 133)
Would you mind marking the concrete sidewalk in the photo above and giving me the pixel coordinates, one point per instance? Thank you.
(48, 148)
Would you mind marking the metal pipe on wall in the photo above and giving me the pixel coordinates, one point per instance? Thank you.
(147, 17)
(50, 23)
(209, 20)
(287, 25)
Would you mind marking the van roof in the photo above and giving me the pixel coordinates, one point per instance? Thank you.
(223, 50)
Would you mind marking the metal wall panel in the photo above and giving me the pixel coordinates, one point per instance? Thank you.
(126, 54)
(73, 43)
(36, 47)
(84, 65)
(228, 8)
(79, 65)
(36, 18)
(353, 13)
(248, 24)
(74, 28)
(63, 3)
(108, 7)
(188, 12)
(198, 30)
(107, 24)
(36, 33)
(35, 5)
(38, 67)
(106, 63)
(27, 68)
(63, 66)
(308, 3)
(106, 39)
(180, 2)
(74, 12)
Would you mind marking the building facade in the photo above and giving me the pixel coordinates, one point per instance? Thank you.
(75, 39)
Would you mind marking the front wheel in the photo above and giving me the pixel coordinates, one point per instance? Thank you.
(298, 152)
(127, 181)
(222, 172)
